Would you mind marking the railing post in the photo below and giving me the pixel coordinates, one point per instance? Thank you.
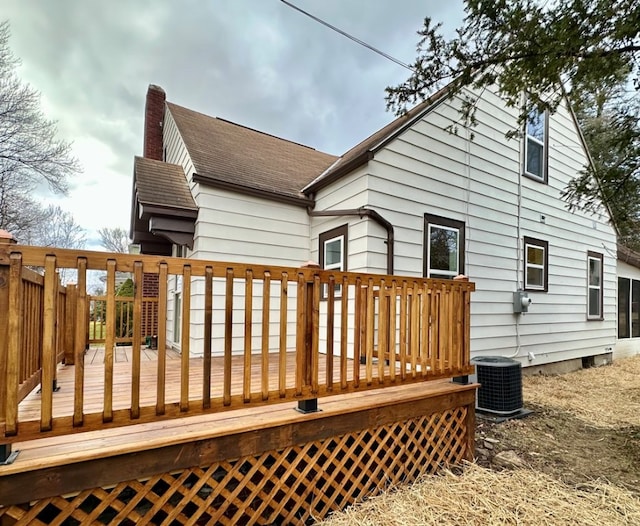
(6, 239)
(70, 325)
(463, 380)
(307, 357)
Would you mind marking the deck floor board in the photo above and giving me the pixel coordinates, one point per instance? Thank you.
(61, 450)
(29, 408)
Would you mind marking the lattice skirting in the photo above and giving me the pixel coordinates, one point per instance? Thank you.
(295, 485)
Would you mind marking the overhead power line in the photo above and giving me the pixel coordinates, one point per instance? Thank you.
(350, 37)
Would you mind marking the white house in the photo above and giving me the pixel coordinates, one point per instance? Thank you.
(412, 199)
(628, 343)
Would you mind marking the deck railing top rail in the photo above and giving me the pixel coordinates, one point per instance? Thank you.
(247, 334)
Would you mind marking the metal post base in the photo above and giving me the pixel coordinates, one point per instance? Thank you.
(6, 455)
(54, 386)
(462, 380)
(308, 406)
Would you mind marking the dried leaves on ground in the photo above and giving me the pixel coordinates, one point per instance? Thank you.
(607, 396)
(581, 456)
(480, 496)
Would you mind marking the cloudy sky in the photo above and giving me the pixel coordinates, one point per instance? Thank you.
(255, 62)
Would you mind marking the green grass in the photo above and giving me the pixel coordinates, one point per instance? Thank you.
(97, 331)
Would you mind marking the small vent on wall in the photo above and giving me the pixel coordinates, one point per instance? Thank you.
(500, 381)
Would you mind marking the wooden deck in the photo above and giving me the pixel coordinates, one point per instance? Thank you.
(439, 430)
(29, 408)
(136, 436)
(124, 354)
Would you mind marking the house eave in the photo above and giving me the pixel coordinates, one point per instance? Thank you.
(254, 192)
(347, 167)
(369, 154)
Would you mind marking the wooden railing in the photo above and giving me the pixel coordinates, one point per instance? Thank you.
(26, 369)
(249, 335)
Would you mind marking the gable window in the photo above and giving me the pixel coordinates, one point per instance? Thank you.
(536, 264)
(536, 145)
(594, 286)
(333, 253)
(444, 247)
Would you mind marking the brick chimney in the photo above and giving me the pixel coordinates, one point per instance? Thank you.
(153, 117)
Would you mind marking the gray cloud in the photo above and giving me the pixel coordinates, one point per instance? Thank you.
(255, 62)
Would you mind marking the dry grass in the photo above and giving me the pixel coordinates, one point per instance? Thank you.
(606, 397)
(482, 497)
(602, 396)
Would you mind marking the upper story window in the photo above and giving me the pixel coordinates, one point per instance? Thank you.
(536, 264)
(536, 145)
(444, 247)
(594, 286)
(333, 253)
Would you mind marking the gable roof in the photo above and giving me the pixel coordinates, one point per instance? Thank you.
(364, 151)
(157, 183)
(233, 156)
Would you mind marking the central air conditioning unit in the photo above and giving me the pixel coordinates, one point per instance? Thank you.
(500, 382)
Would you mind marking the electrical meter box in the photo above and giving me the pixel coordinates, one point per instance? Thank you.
(521, 301)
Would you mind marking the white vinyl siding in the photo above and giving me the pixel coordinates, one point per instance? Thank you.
(366, 250)
(245, 229)
(428, 170)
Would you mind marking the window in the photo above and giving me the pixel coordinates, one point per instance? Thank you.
(536, 145)
(635, 308)
(536, 264)
(444, 247)
(333, 253)
(594, 286)
(177, 316)
(628, 308)
(624, 304)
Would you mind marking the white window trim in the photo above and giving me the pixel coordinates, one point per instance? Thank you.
(341, 234)
(599, 260)
(544, 144)
(177, 317)
(540, 245)
(334, 266)
(451, 273)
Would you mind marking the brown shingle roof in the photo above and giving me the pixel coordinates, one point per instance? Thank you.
(228, 153)
(628, 256)
(162, 184)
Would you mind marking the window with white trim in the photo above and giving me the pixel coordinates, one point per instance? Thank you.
(443, 246)
(594, 286)
(536, 145)
(536, 264)
(333, 254)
